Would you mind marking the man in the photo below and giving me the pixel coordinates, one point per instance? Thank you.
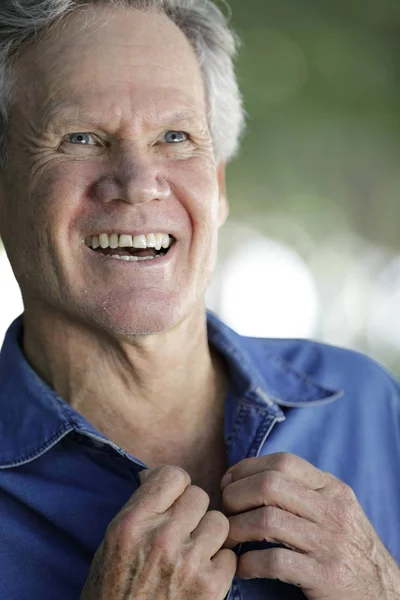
(127, 412)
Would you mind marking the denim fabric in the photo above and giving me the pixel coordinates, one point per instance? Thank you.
(62, 481)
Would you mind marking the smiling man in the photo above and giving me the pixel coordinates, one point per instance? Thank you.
(147, 451)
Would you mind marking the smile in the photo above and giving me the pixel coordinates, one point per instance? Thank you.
(133, 248)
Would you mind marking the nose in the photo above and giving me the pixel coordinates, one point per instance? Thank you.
(135, 179)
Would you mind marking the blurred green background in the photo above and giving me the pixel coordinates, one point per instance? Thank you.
(321, 86)
(319, 166)
(312, 246)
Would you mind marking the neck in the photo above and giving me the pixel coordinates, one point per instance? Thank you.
(145, 394)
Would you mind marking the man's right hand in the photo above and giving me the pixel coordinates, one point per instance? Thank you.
(163, 545)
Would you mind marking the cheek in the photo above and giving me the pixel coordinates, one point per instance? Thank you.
(200, 194)
(39, 217)
(57, 198)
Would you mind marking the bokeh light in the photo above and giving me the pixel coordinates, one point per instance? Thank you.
(265, 289)
(384, 309)
(10, 297)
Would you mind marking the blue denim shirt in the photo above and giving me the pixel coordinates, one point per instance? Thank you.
(62, 481)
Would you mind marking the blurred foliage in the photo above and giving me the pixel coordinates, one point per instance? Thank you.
(322, 92)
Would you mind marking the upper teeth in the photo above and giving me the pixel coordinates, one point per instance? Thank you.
(151, 240)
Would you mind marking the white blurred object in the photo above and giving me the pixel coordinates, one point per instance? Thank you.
(265, 289)
(10, 296)
(345, 266)
(384, 315)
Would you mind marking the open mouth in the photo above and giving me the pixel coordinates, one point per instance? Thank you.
(131, 248)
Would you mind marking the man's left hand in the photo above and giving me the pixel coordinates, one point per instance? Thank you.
(331, 552)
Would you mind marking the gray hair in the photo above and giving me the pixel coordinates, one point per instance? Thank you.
(22, 21)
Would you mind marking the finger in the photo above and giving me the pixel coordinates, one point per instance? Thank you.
(159, 490)
(143, 475)
(211, 533)
(189, 509)
(272, 488)
(224, 564)
(289, 464)
(278, 563)
(272, 524)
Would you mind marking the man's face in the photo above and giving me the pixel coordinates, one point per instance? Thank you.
(131, 85)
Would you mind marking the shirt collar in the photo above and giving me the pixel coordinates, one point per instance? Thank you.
(33, 418)
(31, 421)
(261, 374)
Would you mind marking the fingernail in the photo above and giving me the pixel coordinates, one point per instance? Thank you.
(226, 480)
(143, 475)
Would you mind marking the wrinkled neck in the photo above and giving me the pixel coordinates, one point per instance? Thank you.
(125, 387)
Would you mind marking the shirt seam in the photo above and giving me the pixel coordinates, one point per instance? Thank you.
(39, 451)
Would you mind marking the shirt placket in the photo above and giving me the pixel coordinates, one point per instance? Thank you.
(253, 424)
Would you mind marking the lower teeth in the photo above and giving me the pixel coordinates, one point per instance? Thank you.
(136, 258)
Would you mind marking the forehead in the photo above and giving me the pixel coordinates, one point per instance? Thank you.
(113, 59)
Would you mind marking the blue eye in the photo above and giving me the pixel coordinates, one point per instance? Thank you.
(81, 139)
(176, 137)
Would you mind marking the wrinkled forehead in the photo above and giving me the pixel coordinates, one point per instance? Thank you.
(101, 54)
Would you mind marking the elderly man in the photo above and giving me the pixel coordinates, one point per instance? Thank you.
(147, 451)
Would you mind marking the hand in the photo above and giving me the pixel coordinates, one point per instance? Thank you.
(163, 545)
(332, 551)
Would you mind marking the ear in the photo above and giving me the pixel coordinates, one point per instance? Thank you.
(223, 206)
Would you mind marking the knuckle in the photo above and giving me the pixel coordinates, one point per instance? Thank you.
(350, 495)
(211, 586)
(339, 489)
(276, 562)
(330, 477)
(122, 530)
(270, 518)
(219, 523)
(200, 495)
(174, 475)
(163, 542)
(230, 561)
(271, 482)
(191, 566)
(199, 577)
(282, 461)
(244, 463)
(344, 491)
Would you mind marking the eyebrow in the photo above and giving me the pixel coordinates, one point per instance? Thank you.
(66, 115)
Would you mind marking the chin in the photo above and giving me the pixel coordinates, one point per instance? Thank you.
(138, 318)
